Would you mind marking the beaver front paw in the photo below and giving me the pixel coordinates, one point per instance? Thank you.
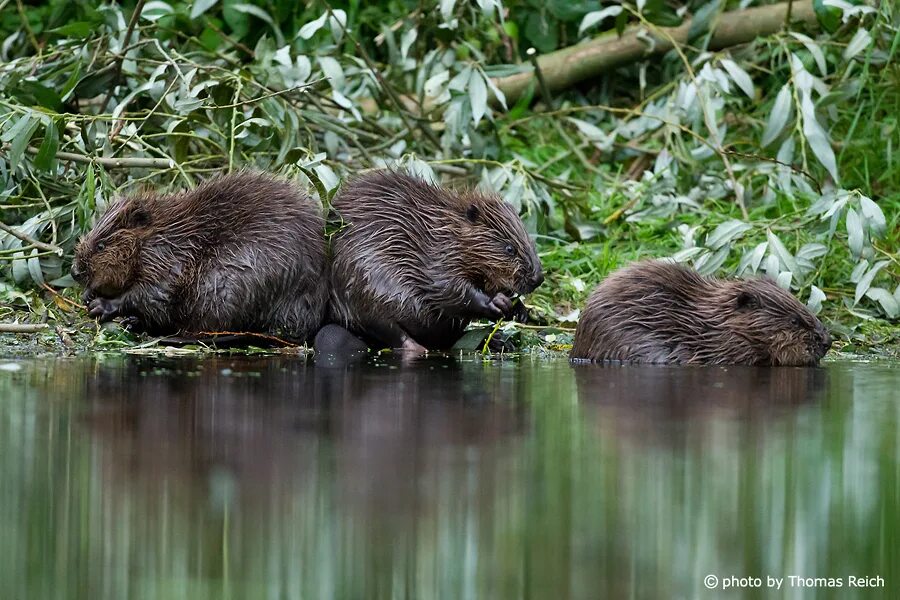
(500, 305)
(103, 309)
(133, 325)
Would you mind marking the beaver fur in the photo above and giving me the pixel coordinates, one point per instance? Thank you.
(662, 312)
(242, 252)
(414, 263)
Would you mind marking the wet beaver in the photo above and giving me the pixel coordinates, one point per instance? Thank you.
(242, 252)
(413, 263)
(662, 312)
(335, 346)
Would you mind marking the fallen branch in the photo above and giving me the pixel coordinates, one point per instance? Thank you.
(114, 163)
(564, 68)
(23, 327)
(30, 240)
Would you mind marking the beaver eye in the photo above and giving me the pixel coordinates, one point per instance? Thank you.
(510, 251)
(101, 246)
(796, 321)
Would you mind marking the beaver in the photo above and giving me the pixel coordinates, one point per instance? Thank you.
(662, 312)
(242, 252)
(413, 263)
(335, 346)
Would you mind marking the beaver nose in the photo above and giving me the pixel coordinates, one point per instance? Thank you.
(76, 272)
(537, 280)
(826, 341)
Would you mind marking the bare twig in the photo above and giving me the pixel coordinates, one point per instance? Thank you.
(30, 240)
(23, 327)
(114, 163)
(28, 31)
(63, 298)
(262, 336)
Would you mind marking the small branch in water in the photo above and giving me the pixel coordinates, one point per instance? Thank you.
(23, 327)
(30, 240)
(264, 336)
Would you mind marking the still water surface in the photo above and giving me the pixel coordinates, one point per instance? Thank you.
(449, 478)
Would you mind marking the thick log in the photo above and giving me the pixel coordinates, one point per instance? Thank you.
(566, 67)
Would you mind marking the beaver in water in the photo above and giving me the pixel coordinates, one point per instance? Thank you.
(662, 312)
(414, 263)
(242, 252)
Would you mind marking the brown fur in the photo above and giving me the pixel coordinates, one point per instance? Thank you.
(661, 312)
(243, 252)
(413, 263)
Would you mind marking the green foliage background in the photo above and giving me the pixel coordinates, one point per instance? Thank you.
(641, 161)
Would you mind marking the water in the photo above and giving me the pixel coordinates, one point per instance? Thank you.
(271, 478)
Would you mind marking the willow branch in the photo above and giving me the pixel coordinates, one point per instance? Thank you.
(30, 240)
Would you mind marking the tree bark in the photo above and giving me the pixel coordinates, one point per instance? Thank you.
(563, 68)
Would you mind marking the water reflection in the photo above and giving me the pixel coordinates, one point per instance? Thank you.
(271, 478)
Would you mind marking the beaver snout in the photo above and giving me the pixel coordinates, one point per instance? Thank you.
(77, 273)
(825, 341)
(533, 283)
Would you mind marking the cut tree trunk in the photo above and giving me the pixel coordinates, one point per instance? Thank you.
(564, 68)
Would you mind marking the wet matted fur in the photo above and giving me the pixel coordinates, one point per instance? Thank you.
(662, 312)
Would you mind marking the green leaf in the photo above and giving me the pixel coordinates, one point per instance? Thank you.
(34, 268)
(621, 22)
(816, 297)
(14, 131)
(477, 96)
(94, 83)
(77, 30)
(155, 10)
(866, 281)
(23, 136)
(37, 94)
(473, 340)
(778, 118)
(873, 213)
(829, 16)
(46, 155)
(524, 101)
(855, 234)
(597, 16)
(703, 20)
(261, 14)
(201, 6)
(816, 137)
(726, 233)
(69, 85)
(541, 32)
(886, 300)
(781, 252)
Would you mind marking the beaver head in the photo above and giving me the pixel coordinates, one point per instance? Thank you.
(497, 253)
(777, 328)
(107, 259)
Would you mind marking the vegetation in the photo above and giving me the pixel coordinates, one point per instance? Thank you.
(775, 156)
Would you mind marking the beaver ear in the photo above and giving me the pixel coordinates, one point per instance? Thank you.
(747, 300)
(472, 213)
(139, 218)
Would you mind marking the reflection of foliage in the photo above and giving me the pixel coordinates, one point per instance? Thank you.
(113, 480)
(775, 157)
